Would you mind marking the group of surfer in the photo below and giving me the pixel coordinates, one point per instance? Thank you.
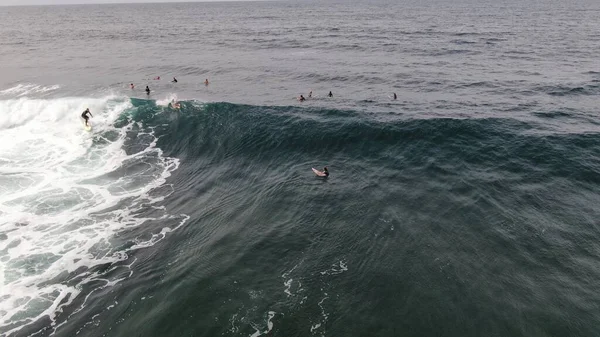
(174, 104)
(132, 86)
(302, 98)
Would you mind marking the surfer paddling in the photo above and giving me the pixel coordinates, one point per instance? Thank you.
(324, 173)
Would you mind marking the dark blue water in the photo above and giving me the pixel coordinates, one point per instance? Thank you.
(465, 207)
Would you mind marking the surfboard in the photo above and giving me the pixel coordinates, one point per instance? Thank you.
(317, 172)
(87, 127)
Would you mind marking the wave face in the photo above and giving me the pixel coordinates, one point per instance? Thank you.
(157, 210)
(84, 215)
(414, 208)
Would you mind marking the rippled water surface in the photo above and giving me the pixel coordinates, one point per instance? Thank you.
(465, 207)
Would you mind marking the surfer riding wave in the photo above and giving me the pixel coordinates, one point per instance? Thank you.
(85, 116)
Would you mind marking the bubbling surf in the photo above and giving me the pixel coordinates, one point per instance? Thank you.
(64, 195)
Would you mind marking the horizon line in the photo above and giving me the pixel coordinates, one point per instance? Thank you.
(130, 2)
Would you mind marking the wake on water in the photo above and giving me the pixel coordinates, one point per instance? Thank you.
(65, 196)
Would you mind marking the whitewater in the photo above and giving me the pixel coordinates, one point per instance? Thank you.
(65, 194)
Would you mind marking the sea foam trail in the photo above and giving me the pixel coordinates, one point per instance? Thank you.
(64, 193)
(28, 89)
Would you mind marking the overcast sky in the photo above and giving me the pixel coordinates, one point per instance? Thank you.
(58, 2)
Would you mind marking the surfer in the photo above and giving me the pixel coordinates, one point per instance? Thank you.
(206, 81)
(174, 80)
(84, 115)
(330, 94)
(157, 78)
(132, 86)
(147, 90)
(310, 94)
(323, 174)
(301, 98)
(395, 97)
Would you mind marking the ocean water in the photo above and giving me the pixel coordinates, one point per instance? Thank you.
(466, 207)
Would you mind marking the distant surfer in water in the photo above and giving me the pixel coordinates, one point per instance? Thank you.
(174, 80)
(301, 98)
(84, 115)
(132, 86)
(147, 90)
(395, 97)
(310, 94)
(157, 78)
(323, 174)
(330, 94)
(206, 81)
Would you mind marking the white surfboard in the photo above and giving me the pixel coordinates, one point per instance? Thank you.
(87, 127)
(317, 172)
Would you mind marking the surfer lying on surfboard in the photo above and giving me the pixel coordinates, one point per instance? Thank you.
(84, 115)
(324, 173)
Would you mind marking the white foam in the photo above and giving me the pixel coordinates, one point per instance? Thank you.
(336, 268)
(288, 283)
(288, 286)
(324, 316)
(257, 331)
(28, 89)
(165, 102)
(58, 192)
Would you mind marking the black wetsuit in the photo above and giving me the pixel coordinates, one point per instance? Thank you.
(85, 116)
(147, 91)
(326, 173)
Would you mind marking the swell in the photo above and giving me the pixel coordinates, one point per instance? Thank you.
(455, 190)
(267, 137)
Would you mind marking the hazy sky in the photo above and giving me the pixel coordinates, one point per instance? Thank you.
(57, 2)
